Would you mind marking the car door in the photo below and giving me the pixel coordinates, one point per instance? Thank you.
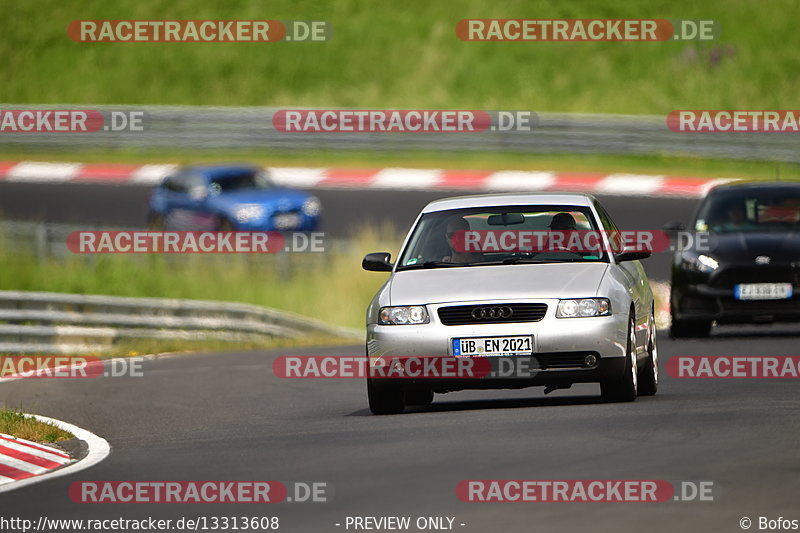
(633, 272)
(187, 199)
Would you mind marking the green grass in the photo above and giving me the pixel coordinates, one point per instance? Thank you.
(328, 286)
(406, 54)
(19, 425)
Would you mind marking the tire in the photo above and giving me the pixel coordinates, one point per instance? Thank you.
(225, 225)
(685, 329)
(419, 397)
(155, 222)
(648, 375)
(624, 388)
(385, 399)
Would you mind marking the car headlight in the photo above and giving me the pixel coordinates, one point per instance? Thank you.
(704, 263)
(701, 263)
(312, 207)
(248, 212)
(398, 316)
(583, 307)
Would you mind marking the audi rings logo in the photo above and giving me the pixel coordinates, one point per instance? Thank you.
(489, 313)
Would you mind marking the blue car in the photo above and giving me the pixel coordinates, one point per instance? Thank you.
(228, 197)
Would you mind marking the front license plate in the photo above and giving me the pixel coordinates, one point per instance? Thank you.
(493, 346)
(763, 291)
(286, 220)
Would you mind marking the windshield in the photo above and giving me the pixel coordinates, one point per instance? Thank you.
(750, 210)
(240, 181)
(438, 240)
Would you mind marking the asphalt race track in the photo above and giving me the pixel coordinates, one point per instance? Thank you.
(226, 416)
(344, 211)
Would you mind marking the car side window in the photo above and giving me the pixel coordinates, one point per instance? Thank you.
(176, 183)
(611, 228)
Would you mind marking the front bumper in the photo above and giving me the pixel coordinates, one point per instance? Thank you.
(702, 301)
(304, 223)
(560, 344)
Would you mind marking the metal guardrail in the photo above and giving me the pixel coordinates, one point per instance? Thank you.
(203, 128)
(47, 322)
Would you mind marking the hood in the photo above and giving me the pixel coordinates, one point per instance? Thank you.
(274, 199)
(745, 247)
(496, 282)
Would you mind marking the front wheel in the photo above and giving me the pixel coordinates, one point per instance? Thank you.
(625, 387)
(419, 397)
(223, 224)
(385, 398)
(683, 329)
(648, 378)
(155, 222)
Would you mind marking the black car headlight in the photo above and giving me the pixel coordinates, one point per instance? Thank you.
(403, 315)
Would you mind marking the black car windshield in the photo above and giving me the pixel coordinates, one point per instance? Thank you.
(750, 210)
(240, 181)
(495, 236)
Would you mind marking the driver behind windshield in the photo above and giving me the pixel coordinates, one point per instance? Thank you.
(736, 219)
(454, 225)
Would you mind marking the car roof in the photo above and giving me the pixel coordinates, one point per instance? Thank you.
(527, 198)
(756, 186)
(221, 170)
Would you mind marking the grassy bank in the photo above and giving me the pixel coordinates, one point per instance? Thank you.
(407, 55)
(26, 427)
(327, 286)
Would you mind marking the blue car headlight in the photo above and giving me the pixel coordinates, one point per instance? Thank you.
(249, 212)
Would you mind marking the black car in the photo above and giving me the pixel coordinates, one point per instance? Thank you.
(748, 268)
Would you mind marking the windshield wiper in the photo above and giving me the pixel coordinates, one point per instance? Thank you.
(432, 264)
(516, 261)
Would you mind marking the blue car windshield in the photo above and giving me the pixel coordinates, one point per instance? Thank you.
(241, 181)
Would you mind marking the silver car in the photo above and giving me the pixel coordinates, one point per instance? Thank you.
(573, 315)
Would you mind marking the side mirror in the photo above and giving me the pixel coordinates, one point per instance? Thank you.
(674, 226)
(631, 254)
(377, 262)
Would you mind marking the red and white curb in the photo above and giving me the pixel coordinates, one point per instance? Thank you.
(24, 463)
(21, 459)
(383, 178)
